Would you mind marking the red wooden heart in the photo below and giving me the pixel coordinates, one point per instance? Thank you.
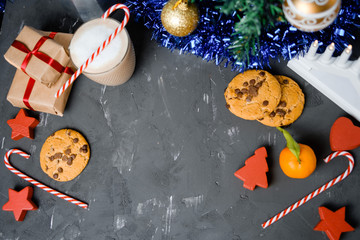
(344, 135)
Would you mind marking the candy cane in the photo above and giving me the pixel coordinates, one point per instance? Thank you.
(36, 183)
(317, 191)
(101, 48)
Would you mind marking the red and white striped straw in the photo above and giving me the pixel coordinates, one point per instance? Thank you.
(101, 48)
(36, 183)
(317, 191)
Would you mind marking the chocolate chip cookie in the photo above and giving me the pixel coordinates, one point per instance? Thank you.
(64, 155)
(252, 94)
(290, 106)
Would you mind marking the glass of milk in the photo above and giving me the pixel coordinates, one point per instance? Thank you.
(115, 64)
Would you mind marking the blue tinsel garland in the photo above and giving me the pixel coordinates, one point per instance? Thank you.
(213, 35)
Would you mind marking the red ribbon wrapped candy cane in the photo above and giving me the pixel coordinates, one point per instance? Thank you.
(36, 183)
(317, 191)
(101, 48)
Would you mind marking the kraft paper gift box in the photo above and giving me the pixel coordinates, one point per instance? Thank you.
(38, 55)
(26, 92)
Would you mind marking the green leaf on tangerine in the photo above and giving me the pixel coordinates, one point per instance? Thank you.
(291, 143)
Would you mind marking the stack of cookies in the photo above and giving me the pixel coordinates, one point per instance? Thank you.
(272, 100)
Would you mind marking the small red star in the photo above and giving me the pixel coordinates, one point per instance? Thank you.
(22, 126)
(333, 223)
(20, 203)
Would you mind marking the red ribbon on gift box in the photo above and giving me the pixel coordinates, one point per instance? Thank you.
(42, 56)
(27, 93)
(30, 86)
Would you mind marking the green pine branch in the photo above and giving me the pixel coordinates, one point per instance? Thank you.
(254, 16)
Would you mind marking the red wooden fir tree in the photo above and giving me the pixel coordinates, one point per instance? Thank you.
(255, 169)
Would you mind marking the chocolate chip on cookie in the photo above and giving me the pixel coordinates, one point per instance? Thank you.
(248, 98)
(259, 84)
(280, 112)
(253, 91)
(84, 149)
(282, 104)
(244, 90)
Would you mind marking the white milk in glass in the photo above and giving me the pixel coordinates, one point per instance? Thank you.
(115, 64)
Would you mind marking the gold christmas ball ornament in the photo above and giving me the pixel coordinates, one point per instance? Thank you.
(179, 17)
(311, 15)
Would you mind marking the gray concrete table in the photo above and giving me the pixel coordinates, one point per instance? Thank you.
(163, 152)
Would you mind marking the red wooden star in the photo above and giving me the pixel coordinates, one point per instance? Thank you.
(20, 203)
(254, 172)
(333, 223)
(22, 126)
